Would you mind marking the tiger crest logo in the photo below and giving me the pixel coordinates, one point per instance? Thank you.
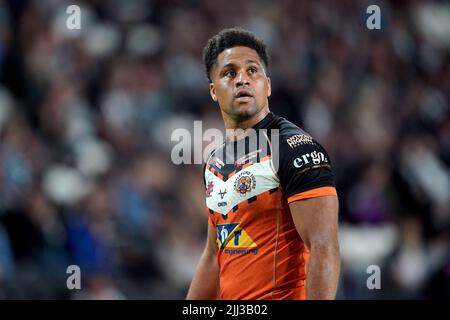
(245, 183)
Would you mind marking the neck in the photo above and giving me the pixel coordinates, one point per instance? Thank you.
(233, 124)
(237, 129)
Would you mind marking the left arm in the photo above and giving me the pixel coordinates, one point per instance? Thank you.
(316, 220)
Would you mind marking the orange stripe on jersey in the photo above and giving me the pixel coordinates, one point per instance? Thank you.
(247, 165)
(232, 173)
(314, 193)
(266, 158)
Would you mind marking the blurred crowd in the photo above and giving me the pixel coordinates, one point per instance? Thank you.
(86, 116)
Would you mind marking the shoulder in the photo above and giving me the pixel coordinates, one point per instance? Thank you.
(303, 165)
(287, 128)
(292, 140)
(287, 132)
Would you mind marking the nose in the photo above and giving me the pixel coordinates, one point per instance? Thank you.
(242, 79)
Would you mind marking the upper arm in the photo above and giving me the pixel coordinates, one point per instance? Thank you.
(211, 241)
(308, 181)
(316, 220)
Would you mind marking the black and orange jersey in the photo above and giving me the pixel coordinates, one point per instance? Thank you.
(249, 184)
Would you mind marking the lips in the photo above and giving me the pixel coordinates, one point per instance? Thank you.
(243, 95)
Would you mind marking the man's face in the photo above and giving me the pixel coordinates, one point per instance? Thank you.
(239, 83)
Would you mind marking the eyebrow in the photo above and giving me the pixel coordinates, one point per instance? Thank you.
(231, 64)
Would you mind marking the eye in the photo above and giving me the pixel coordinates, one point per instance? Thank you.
(252, 70)
(230, 73)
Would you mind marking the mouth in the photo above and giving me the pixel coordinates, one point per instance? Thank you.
(243, 96)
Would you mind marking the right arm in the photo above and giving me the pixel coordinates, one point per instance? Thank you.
(205, 283)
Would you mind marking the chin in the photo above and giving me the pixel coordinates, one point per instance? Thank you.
(245, 111)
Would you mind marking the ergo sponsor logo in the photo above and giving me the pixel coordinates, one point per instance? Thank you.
(314, 157)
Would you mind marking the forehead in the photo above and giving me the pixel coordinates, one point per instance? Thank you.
(237, 56)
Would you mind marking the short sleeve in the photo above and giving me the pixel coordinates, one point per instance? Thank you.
(305, 168)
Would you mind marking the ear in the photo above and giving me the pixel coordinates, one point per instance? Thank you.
(212, 91)
(269, 87)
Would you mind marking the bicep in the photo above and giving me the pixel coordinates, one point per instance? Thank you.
(316, 219)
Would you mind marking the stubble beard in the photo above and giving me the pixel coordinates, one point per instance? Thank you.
(243, 112)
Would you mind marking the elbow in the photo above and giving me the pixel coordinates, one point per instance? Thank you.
(327, 248)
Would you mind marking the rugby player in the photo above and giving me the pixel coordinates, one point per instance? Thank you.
(273, 210)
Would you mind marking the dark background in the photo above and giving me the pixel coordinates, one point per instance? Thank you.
(86, 117)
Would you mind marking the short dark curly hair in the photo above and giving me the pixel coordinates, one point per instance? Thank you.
(229, 38)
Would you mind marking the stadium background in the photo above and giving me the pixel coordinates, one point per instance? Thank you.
(86, 117)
